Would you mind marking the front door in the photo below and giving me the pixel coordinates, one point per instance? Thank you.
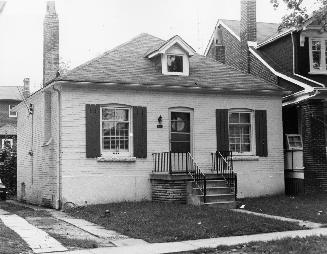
(180, 132)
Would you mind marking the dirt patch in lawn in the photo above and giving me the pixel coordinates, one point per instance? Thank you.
(304, 207)
(164, 222)
(307, 245)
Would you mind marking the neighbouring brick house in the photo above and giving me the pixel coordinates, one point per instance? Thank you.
(10, 96)
(116, 127)
(294, 59)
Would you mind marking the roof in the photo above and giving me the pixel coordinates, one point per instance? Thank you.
(127, 64)
(8, 129)
(264, 29)
(11, 93)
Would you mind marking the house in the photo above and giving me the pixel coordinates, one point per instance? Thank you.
(10, 96)
(119, 126)
(294, 59)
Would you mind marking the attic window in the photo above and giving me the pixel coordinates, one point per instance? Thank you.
(174, 63)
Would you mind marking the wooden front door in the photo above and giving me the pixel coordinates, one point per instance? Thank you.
(180, 132)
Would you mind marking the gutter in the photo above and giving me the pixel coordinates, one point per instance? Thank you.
(59, 169)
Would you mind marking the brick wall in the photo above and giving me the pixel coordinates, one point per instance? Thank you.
(36, 153)
(103, 182)
(258, 69)
(169, 191)
(314, 147)
(4, 113)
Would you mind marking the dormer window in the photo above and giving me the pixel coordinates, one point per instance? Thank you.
(174, 63)
(175, 56)
(318, 55)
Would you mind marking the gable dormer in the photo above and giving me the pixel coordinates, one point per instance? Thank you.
(317, 38)
(174, 56)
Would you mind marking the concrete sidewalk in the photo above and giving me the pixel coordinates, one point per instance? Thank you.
(160, 248)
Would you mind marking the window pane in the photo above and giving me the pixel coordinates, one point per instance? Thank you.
(175, 63)
(244, 118)
(316, 55)
(121, 114)
(245, 148)
(108, 114)
(234, 118)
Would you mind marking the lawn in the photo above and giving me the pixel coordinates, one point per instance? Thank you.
(304, 207)
(309, 245)
(165, 222)
(23, 211)
(11, 243)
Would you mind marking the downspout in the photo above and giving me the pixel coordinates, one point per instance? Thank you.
(300, 76)
(59, 169)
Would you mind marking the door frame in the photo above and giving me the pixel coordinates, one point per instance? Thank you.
(182, 110)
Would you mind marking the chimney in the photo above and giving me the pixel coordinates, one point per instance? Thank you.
(219, 45)
(50, 43)
(248, 32)
(26, 91)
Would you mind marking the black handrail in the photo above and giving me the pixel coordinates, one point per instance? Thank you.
(197, 175)
(170, 162)
(222, 164)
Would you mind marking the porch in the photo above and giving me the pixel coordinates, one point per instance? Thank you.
(176, 177)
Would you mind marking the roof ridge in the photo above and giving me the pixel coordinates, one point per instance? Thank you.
(103, 55)
(275, 23)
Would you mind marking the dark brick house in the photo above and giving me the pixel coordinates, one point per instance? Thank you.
(294, 59)
(10, 96)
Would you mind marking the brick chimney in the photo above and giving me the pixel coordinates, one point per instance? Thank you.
(248, 32)
(50, 43)
(26, 91)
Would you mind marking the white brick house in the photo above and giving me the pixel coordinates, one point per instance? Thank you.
(89, 135)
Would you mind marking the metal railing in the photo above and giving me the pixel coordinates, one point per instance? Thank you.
(170, 162)
(199, 178)
(222, 164)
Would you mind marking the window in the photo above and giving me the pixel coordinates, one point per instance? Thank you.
(6, 143)
(240, 131)
(318, 55)
(115, 130)
(174, 63)
(294, 141)
(12, 113)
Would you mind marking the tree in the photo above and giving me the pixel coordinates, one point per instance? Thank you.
(298, 13)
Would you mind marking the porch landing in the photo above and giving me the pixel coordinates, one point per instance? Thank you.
(180, 188)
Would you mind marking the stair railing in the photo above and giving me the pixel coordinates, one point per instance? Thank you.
(198, 177)
(222, 163)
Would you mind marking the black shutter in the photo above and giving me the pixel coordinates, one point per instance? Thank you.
(92, 113)
(261, 132)
(140, 132)
(222, 129)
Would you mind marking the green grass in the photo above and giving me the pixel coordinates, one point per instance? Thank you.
(10, 242)
(23, 211)
(165, 222)
(304, 207)
(309, 245)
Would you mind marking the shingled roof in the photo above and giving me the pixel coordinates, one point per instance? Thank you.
(11, 93)
(127, 64)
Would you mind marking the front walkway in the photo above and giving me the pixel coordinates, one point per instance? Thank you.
(171, 247)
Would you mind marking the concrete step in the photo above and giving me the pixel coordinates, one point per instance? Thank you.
(217, 198)
(222, 204)
(214, 190)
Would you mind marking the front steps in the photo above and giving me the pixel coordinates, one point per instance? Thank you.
(218, 194)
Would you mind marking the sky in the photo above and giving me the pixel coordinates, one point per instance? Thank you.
(89, 28)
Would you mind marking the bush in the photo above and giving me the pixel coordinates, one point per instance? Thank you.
(8, 169)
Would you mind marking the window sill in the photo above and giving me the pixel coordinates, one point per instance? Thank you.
(116, 159)
(317, 72)
(245, 158)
